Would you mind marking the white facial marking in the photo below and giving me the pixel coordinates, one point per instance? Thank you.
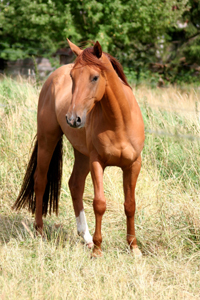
(82, 227)
(72, 116)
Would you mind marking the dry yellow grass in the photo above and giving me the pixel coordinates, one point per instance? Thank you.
(167, 217)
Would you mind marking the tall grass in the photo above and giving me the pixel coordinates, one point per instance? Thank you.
(167, 216)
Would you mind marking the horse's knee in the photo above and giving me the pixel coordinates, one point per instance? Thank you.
(99, 205)
(129, 209)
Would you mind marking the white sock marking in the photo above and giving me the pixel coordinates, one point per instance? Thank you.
(82, 227)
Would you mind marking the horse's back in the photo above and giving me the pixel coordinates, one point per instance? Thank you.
(58, 81)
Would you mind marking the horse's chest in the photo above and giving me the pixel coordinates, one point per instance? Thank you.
(117, 154)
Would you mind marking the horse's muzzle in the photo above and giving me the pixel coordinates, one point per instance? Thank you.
(74, 122)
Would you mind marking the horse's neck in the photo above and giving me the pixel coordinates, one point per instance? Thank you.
(115, 105)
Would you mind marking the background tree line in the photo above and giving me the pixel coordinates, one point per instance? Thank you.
(157, 35)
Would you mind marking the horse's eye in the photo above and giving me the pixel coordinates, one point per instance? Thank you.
(95, 78)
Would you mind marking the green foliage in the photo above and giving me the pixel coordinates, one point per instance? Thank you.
(123, 27)
(33, 27)
(182, 46)
(127, 29)
(136, 32)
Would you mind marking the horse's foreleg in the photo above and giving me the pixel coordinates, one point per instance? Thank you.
(130, 176)
(76, 185)
(99, 204)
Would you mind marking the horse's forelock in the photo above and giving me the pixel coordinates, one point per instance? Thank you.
(88, 58)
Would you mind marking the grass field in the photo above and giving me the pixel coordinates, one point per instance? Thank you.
(167, 216)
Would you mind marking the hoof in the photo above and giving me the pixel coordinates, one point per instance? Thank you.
(136, 252)
(39, 230)
(57, 226)
(96, 252)
(90, 245)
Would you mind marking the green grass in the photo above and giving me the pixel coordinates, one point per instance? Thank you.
(167, 216)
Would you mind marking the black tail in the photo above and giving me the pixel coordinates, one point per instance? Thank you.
(26, 196)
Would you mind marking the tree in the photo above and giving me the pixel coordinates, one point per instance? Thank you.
(127, 28)
(33, 27)
(182, 45)
(134, 31)
(191, 44)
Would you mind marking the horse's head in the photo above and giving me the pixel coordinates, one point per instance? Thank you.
(88, 83)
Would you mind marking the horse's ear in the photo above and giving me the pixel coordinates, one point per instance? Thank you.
(97, 50)
(77, 51)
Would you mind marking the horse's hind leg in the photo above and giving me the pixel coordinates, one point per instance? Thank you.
(46, 147)
(76, 186)
(130, 176)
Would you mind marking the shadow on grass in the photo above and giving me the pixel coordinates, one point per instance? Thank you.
(22, 228)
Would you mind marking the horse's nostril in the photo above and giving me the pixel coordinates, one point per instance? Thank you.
(78, 120)
(68, 120)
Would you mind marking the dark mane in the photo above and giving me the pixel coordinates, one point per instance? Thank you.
(87, 57)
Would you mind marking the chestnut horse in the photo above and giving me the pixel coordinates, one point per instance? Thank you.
(92, 103)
